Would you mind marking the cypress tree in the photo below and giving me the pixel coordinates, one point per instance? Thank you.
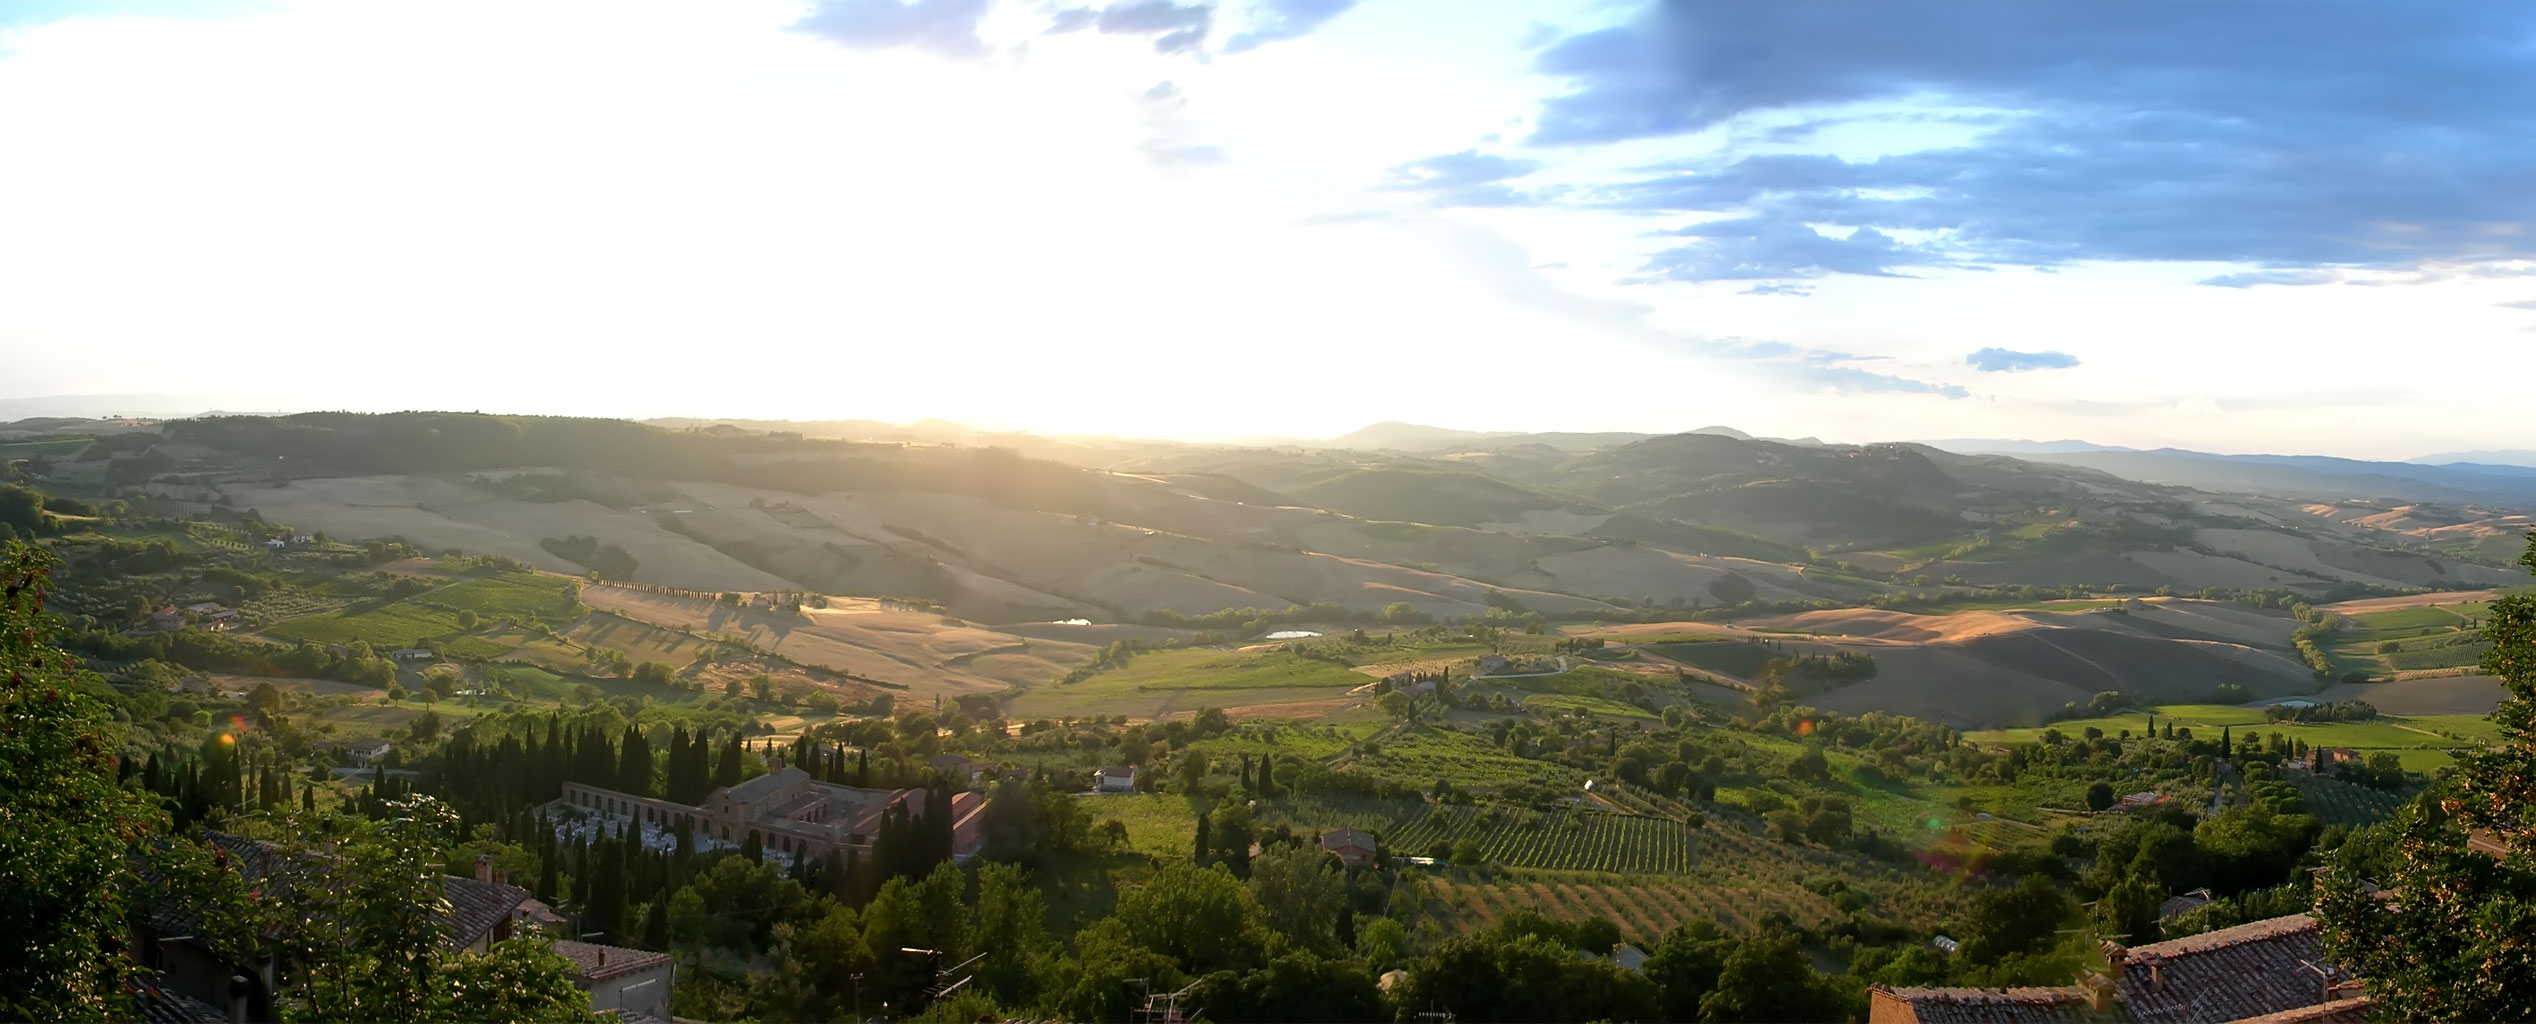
(656, 925)
(546, 875)
(1203, 828)
(728, 772)
(634, 763)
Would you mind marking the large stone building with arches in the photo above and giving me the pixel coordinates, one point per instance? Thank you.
(789, 812)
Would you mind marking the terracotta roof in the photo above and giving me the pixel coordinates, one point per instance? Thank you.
(1993, 1005)
(476, 908)
(2252, 969)
(594, 962)
(1339, 838)
(2354, 1010)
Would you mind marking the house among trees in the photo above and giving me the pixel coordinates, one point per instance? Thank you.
(2143, 798)
(625, 982)
(412, 654)
(1115, 779)
(481, 912)
(2181, 905)
(167, 619)
(363, 752)
(1354, 848)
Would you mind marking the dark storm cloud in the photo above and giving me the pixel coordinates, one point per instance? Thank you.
(1286, 19)
(2355, 135)
(945, 27)
(2000, 360)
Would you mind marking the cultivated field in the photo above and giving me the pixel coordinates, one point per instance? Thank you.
(2423, 743)
(923, 652)
(1159, 683)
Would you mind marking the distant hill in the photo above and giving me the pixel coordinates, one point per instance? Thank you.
(2520, 457)
(1407, 437)
(1411, 437)
(2312, 477)
(1994, 446)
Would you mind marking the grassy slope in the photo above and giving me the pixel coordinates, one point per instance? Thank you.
(1160, 682)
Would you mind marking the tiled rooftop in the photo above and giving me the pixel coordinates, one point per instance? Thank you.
(2247, 971)
(2353, 1010)
(1995, 1005)
(599, 963)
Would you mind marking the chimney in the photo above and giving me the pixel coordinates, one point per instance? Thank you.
(238, 989)
(603, 956)
(484, 868)
(2157, 976)
(2099, 991)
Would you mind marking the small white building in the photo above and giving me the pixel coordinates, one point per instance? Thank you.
(412, 654)
(365, 751)
(1115, 779)
(630, 981)
(1629, 957)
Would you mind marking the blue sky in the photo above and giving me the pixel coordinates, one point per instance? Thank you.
(2209, 225)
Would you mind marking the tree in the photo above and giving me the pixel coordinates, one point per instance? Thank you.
(2452, 943)
(1301, 893)
(1192, 771)
(1686, 964)
(2019, 919)
(1201, 918)
(65, 825)
(1768, 977)
(381, 955)
(1398, 705)
(2099, 795)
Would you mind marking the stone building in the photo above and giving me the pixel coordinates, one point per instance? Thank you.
(788, 812)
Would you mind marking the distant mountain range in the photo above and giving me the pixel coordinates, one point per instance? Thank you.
(2519, 457)
(2466, 477)
(1396, 436)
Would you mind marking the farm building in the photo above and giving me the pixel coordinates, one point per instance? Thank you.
(2263, 967)
(1116, 779)
(790, 813)
(1354, 848)
(2068, 1003)
(412, 654)
(2143, 798)
(362, 752)
(202, 608)
(167, 619)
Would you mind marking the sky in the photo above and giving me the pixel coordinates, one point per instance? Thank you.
(2149, 223)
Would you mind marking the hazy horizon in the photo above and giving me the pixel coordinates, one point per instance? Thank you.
(1287, 218)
